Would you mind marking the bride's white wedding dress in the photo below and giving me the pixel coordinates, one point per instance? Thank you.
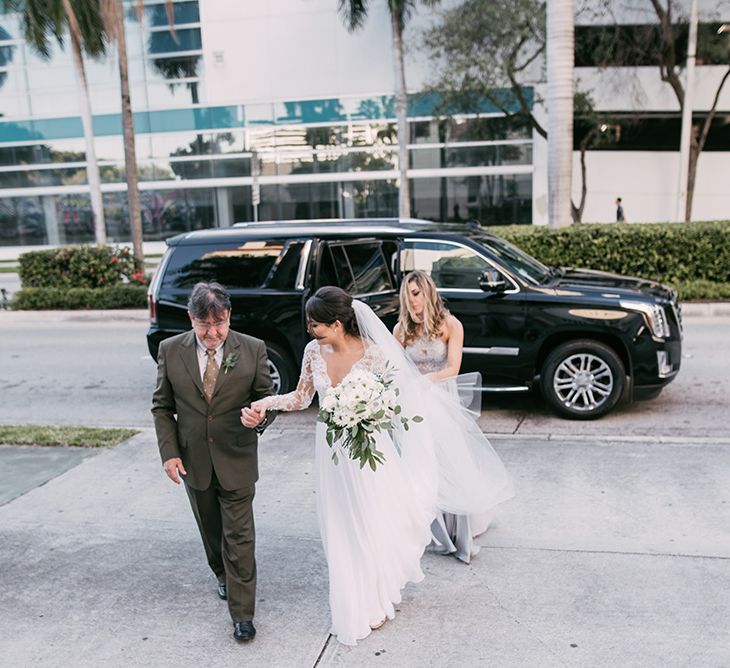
(374, 524)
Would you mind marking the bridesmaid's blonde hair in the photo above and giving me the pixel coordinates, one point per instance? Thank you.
(434, 311)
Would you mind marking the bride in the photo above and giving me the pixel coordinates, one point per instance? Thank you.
(375, 525)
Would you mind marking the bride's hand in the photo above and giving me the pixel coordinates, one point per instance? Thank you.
(253, 416)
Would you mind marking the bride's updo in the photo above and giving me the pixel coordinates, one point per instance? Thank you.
(329, 304)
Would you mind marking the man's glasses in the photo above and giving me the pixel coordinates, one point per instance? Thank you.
(204, 326)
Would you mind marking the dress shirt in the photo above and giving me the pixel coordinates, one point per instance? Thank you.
(203, 356)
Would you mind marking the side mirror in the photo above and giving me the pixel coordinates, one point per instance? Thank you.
(490, 280)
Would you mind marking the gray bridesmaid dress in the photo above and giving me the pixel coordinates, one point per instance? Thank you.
(451, 534)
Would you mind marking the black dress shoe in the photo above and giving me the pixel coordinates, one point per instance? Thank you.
(222, 591)
(243, 631)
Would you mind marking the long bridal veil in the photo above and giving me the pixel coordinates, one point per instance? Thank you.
(452, 464)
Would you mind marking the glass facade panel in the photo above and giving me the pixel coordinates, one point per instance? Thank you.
(22, 221)
(183, 12)
(309, 200)
(163, 41)
(471, 156)
(165, 213)
(363, 199)
(488, 128)
(373, 134)
(74, 218)
(492, 200)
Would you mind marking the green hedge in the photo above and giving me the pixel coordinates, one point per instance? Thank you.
(706, 291)
(673, 253)
(77, 267)
(115, 297)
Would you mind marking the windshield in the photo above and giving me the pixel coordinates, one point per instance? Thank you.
(526, 266)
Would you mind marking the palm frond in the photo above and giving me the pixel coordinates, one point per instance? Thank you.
(353, 13)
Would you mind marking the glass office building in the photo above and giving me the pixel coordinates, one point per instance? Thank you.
(205, 148)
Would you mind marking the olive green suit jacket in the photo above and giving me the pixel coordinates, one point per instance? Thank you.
(209, 436)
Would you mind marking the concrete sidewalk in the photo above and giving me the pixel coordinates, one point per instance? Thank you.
(611, 554)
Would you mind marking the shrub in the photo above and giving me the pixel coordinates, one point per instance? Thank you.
(667, 252)
(115, 297)
(77, 267)
(703, 291)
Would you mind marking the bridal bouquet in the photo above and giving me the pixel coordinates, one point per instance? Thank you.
(363, 403)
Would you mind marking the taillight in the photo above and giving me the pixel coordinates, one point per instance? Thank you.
(153, 308)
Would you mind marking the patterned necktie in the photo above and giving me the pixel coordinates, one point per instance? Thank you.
(210, 375)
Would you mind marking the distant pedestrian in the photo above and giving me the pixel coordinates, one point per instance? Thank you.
(620, 217)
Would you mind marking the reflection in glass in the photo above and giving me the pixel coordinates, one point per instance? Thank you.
(470, 156)
(449, 265)
(75, 218)
(247, 266)
(22, 221)
(363, 199)
(163, 41)
(504, 199)
(183, 12)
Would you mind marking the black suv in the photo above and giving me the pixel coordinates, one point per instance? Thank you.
(587, 338)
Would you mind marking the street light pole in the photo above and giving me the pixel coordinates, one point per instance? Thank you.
(684, 146)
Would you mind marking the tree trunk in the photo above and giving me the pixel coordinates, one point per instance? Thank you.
(560, 47)
(697, 144)
(130, 157)
(92, 167)
(401, 107)
(694, 156)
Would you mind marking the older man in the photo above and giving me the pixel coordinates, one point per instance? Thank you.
(205, 379)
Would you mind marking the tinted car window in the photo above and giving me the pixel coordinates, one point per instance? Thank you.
(370, 268)
(359, 268)
(252, 265)
(449, 265)
(525, 265)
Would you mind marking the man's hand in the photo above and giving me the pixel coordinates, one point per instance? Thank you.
(252, 417)
(173, 467)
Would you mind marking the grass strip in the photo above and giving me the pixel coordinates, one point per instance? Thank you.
(8, 270)
(52, 435)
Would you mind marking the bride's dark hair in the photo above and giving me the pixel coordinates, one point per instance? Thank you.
(329, 304)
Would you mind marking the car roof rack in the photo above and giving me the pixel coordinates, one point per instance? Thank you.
(336, 221)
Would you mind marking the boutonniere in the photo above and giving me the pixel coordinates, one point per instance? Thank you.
(229, 362)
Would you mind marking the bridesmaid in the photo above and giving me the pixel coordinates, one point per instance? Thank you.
(434, 340)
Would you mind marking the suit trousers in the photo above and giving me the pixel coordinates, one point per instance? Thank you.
(226, 525)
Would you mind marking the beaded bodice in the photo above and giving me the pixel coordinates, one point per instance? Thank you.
(428, 355)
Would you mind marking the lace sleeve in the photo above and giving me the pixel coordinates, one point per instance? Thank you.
(302, 396)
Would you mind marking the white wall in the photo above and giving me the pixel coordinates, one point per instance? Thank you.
(647, 182)
(641, 88)
(300, 49)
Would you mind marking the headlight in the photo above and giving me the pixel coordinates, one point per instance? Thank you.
(654, 315)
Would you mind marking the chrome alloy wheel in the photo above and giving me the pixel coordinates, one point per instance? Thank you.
(275, 377)
(583, 382)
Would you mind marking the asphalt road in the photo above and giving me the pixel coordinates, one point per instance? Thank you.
(93, 368)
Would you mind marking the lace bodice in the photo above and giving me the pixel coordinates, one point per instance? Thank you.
(314, 378)
(429, 355)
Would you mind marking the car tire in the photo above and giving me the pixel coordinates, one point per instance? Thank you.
(281, 369)
(582, 379)
(645, 394)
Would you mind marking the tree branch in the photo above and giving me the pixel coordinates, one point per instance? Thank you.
(711, 115)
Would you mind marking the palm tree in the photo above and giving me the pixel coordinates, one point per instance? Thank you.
(560, 58)
(113, 17)
(354, 13)
(45, 18)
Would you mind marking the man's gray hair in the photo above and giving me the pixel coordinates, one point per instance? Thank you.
(208, 299)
